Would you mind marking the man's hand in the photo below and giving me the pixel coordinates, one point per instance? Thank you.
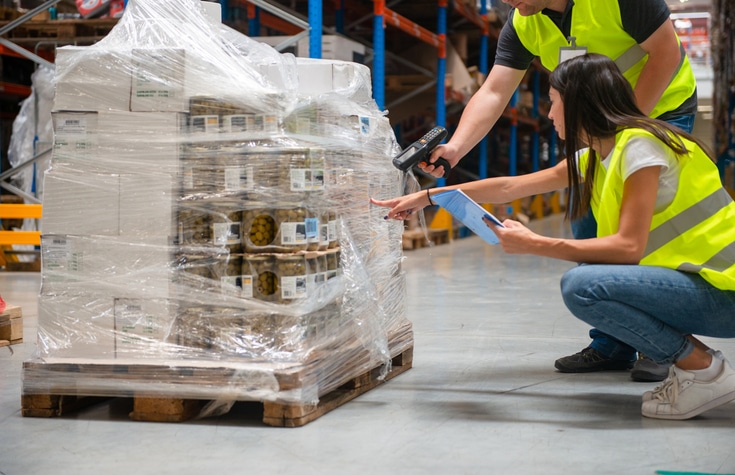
(446, 151)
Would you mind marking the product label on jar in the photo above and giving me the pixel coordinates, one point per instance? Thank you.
(205, 124)
(293, 233)
(232, 285)
(235, 123)
(299, 179)
(324, 233)
(226, 234)
(270, 123)
(307, 179)
(312, 229)
(239, 178)
(332, 230)
(293, 287)
(246, 286)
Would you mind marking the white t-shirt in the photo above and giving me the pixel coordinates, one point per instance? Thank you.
(641, 152)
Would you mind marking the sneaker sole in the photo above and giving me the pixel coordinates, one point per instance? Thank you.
(646, 377)
(594, 369)
(720, 401)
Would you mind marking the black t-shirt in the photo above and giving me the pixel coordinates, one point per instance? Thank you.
(640, 19)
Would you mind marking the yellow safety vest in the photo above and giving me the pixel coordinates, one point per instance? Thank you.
(695, 233)
(596, 25)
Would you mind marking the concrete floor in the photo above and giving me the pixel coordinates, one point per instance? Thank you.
(482, 398)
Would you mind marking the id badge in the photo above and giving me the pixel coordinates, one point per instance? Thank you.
(569, 52)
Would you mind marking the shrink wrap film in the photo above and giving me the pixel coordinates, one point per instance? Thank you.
(175, 138)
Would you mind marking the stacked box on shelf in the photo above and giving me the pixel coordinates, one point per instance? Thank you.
(208, 206)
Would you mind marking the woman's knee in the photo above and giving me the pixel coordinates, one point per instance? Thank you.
(575, 285)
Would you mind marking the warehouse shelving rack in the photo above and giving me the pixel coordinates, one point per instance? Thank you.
(33, 208)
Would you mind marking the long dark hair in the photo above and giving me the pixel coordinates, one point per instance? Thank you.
(598, 103)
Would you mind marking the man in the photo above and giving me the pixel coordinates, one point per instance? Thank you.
(640, 37)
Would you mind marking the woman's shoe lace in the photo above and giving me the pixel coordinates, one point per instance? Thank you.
(669, 389)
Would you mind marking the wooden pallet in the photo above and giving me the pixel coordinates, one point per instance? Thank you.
(73, 386)
(62, 29)
(415, 238)
(11, 326)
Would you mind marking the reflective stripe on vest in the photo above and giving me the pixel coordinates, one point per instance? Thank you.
(695, 233)
(687, 219)
(597, 25)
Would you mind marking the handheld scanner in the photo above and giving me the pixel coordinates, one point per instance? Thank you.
(420, 151)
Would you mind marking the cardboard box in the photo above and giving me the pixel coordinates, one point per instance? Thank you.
(76, 325)
(319, 76)
(75, 137)
(142, 328)
(164, 79)
(92, 79)
(81, 203)
(147, 208)
(11, 325)
(335, 47)
(144, 142)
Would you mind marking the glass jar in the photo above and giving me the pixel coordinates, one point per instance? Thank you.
(226, 227)
(259, 279)
(275, 229)
(193, 225)
(292, 271)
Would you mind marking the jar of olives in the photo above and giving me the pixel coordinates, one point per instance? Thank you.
(193, 224)
(292, 271)
(259, 278)
(275, 229)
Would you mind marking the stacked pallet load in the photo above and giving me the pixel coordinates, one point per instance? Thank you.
(207, 233)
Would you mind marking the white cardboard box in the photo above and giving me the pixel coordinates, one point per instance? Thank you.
(81, 203)
(92, 79)
(147, 207)
(335, 47)
(158, 80)
(141, 142)
(142, 328)
(320, 76)
(74, 325)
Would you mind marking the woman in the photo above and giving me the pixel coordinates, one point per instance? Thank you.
(662, 267)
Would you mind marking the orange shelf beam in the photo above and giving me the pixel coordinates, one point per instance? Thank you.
(406, 25)
(16, 89)
(19, 211)
(31, 238)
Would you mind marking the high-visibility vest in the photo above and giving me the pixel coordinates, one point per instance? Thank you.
(596, 25)
(695, 233)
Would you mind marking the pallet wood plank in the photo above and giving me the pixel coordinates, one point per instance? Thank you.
(51, 405)
(284, 415)
(150, 409)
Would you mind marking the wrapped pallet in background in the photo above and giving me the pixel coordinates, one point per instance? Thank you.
(207, 230)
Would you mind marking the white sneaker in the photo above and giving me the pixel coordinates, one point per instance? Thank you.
(682, 397)
(648, 395)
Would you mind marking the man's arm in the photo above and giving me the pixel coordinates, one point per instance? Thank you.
(664, 56)
(480, 115)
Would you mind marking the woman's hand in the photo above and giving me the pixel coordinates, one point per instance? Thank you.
(403, 206)
(514, 237)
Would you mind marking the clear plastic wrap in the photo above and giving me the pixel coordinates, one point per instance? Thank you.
(207, 229)
(32, 135)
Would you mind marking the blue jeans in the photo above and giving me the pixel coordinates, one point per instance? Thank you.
(649, 309)
(585, 228)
